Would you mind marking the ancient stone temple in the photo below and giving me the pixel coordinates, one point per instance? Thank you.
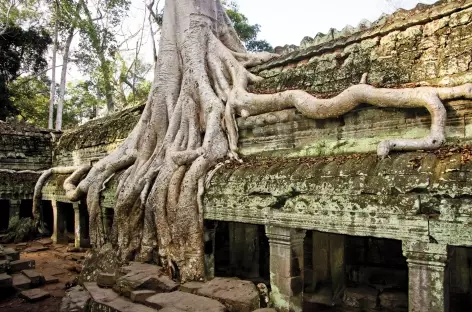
(312, 211)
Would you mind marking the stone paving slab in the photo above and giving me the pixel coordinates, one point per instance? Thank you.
(237, 295)
(5, 280)
(35, 277)
(140, 296)
(50, 279)
(181, 301)
(20, 281)
(104, 299)
(34, 295)
(4, 266)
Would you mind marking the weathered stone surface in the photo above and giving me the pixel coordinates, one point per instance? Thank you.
(20, 281)
(235, 294)
(50, 279)
(265, 310)
(5, 280)
(4, 266)
(140, 296)
(36, 249)
(191, 287)
(361, 297)
(140, 276)
(103, 299)
(394, 300)
(106, 279)
(35, 277)
(184, 302)
(20, 265)
(45, 241)
(13, 254)
(34, 295)
(75, 300)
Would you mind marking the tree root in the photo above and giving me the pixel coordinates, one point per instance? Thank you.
(189, 126)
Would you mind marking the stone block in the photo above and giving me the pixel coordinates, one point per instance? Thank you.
(34, 295)
(184, 302)
(5, 281)
(49, 279)
(141, 276)
(75, 300)
(394, 300)
(265, 310)
(236, 295)
(103, 299)
(361, 297)
(20, 265)
(35, 277)
(4, 266)
(191, 287)
(12, 253)
(20, 281)
(140, 296)
(106, 280)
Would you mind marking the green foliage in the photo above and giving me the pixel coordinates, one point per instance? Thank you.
(20, 230)
(82, 103)
(246, 32)
(30, 96)
(21, 52)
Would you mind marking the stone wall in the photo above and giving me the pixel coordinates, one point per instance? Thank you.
(428, 46)
(23, 147)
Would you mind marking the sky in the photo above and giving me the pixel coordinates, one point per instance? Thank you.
(287, 22)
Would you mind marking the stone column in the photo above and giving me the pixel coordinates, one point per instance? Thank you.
(15, 207)
(428, 287)
(77, 229)
(58, 234)
(286, 267)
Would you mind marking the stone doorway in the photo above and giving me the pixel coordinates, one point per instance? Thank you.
(26, 208)
(4, 214)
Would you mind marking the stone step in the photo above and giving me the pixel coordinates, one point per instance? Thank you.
(20, 281)
(4, 266)
(34, 295)
(35, 277)
(20, 265)
(9, 254)
(104, 299)
(184, 302)
(237, 295)
(5, 281)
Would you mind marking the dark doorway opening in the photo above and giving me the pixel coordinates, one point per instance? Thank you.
(4, 214)
(47, 215)
(26, 208)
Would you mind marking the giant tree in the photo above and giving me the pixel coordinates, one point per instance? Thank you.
(188, 126)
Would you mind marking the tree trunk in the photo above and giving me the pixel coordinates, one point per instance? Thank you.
(53, 73)
(188, 126)
(62, 86)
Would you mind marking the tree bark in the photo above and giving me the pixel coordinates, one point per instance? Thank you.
(53, 73)
(62, 86)
(188, 126)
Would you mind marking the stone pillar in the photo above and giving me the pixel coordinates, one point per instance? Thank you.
(77, 230)
(58, 234)
(286, 267)
(15, 207)
(244, 249)
(428, 286)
